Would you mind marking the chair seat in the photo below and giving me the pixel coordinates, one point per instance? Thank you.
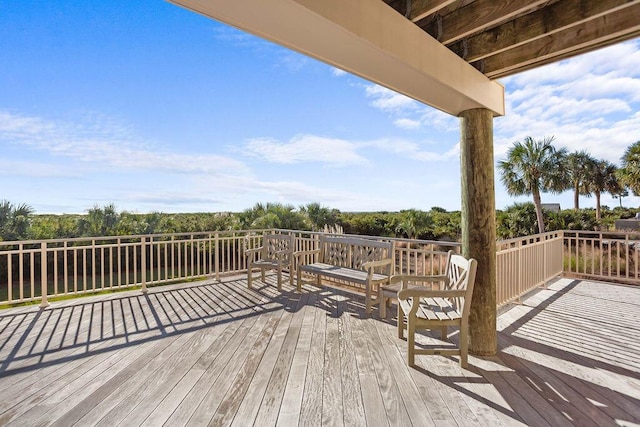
(387, 292)
(438, 309)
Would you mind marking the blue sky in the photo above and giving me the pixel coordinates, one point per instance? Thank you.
(155, 108)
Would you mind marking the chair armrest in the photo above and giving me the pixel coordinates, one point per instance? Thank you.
(378, 263)
(426, 293)
(252, 251)
(424, 279)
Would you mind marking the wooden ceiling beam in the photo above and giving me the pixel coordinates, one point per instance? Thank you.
(478, 16)
(423, 8)
(593, 34)
(549, 20)
(586, 49)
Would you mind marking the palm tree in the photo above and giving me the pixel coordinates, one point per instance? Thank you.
(414, 223)
(629, 174)
(603, 178)
(320, 216)
(15, 220)
(580, 166)
(532, 167)
(273, 215)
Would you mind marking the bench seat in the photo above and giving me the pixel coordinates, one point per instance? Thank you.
(359, 261)
(343, 273)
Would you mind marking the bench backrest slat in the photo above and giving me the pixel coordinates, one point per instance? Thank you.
(352, 252)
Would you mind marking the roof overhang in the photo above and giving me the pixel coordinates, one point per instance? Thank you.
(369, 39)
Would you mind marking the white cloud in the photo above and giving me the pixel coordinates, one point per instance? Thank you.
(412, 150)
(306, 148)
(337, 72)
(405, 123)
(36, 169)
(104, 143)
(588, 103)
(388, 100)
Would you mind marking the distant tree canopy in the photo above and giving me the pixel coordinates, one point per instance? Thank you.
(18, 222)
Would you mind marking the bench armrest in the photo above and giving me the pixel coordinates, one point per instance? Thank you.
(427, 293)
(378, 263)
(298, 254)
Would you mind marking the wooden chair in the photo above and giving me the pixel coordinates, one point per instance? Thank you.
(275, 253)
(390, 291)
(431, 309)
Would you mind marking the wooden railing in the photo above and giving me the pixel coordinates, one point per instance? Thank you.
(36, 270)
(610, 256)
(526, 263)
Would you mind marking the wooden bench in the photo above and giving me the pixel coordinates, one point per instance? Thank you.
(431, 309)
(360, 261)
(275, 253)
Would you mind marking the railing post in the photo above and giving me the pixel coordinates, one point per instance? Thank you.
(43, 275)
(520, 275)
(216, 258)
(544, 263)
(143, 264)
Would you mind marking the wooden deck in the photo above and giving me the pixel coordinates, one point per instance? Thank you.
(221, 354)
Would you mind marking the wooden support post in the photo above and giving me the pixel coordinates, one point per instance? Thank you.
(479, 225)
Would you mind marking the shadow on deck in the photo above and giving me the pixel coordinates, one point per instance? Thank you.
(221, 354)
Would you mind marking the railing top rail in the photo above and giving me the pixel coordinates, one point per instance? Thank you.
(391, 239)
(607, 234)
(129, 237)
(543, 236)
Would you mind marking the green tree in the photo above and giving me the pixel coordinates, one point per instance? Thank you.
(319, 215)
(15, 220)
(603, 178)
(413, 223)
(100, 221)
(531, 167)
(579, 167)
(629, 173)
(517, 220)
(273, 215)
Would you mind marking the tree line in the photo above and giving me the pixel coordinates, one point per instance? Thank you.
(19, 222)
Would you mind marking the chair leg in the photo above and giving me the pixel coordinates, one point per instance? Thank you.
(299, 275)
(383, 305)
(262, 274)
(443, 332)
(411, 342)
(279, 279)
(368, 297)
(249, 278)
(464, 346)
(400, 322)
(291, 275)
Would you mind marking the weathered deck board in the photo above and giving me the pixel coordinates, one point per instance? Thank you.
(220, 354)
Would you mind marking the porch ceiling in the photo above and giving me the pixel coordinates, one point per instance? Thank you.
(444, 53)
(367, 38)
(501, 38)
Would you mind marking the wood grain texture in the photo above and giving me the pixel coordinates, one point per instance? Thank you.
(479, 225)
(233, 355)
